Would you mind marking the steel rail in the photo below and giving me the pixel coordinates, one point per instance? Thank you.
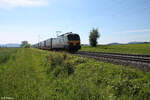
(141, 61)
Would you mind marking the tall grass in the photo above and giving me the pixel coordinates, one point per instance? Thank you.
(5, 54)
(124, 48)
(40, 75)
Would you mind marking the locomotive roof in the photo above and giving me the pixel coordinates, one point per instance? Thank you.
(66, 34)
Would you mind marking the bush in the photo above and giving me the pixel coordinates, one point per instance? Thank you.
(25, 44)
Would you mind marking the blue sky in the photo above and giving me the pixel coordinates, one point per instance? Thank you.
(33, 20)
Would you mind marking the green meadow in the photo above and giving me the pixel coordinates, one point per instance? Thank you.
(32, 74)
(123, 48)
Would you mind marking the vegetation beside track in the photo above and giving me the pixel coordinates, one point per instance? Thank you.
(123, 48)
(31, 74)
(5, 54)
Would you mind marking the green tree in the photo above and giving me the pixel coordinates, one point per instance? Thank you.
(25, 44)
(94, 35)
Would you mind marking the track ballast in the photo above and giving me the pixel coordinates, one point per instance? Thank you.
(136, 61)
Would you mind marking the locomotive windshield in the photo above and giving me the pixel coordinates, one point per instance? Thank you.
(73, 37)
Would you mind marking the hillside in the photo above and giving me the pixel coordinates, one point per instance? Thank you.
(10, 45)
(122, 48)
(32, 74)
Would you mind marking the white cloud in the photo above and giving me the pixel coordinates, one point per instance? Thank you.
(21, 3)
(135, 31)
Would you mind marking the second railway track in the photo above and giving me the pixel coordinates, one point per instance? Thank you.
(136, 61)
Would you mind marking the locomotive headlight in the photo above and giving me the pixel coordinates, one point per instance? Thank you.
(74, 43)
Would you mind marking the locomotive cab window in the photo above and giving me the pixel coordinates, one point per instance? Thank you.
(73, 37)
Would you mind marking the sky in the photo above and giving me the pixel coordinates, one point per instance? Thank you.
(36, 20)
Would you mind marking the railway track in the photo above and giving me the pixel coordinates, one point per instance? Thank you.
(137, 61)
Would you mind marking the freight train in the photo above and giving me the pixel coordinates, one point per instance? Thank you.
(68, 41)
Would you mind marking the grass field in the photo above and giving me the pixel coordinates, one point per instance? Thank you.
(31, 74)
(124, 48)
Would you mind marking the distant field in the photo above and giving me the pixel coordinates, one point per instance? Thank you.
(126, 49)
(32, 74)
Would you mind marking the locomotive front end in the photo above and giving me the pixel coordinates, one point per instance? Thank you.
(74, 42)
